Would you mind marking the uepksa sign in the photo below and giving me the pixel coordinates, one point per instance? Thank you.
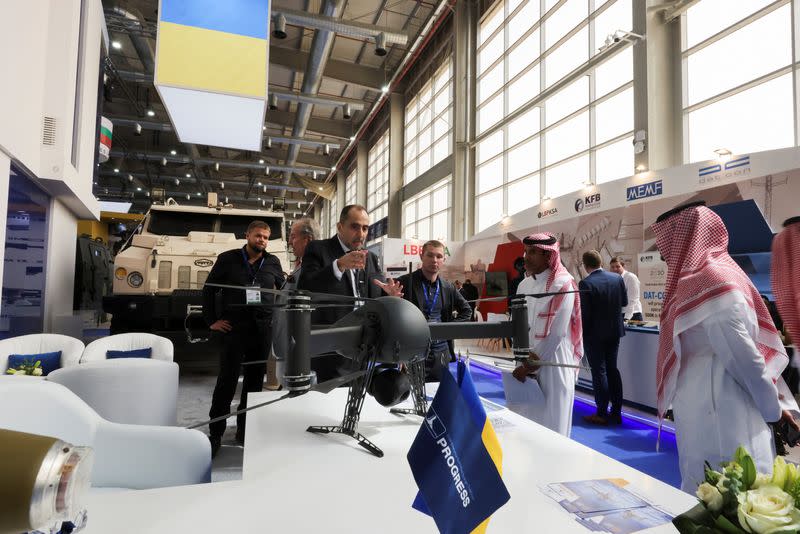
(588, 202)
(650, 189)
(548, 213)
(735, 168)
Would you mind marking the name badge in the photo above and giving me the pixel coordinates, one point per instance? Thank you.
(252, 296)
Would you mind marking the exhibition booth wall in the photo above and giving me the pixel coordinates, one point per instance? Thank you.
(753, 193)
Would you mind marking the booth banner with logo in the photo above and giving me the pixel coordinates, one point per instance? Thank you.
(652, 281)
(401, 256)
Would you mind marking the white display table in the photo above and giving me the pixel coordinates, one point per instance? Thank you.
(295, 481)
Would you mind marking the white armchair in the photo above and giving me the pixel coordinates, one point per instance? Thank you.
(126, 456)
(161, 346)
(133, 391)
(71, 348)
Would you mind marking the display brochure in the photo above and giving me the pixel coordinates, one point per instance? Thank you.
(605, 505)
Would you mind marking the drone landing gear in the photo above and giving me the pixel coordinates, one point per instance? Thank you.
(417, 378)
(352, 412)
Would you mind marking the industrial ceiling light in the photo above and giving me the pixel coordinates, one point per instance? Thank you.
(138, 188)
(263, 203)
(347, 111)
(259, 184)
(151, 113)
(137, 129)
(163, 162)
(279, 27)
(188, 196)
(266, 170)
(130, 178)
(380, 44)
(314, 175)
(333, 168)
(264, 190)
(352, 138)
(116, 170)
(385, 89)
(261, 162)
(177, 181)
(116, 45)
(188, 175)
(173, 152)
(273, 101)
(226, 200)
(216, 166)
(222, 185)
(198, 193)
(326, 150)
(268, 146)
(147, 193)
(263, 128)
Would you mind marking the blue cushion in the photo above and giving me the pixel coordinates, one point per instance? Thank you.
(50, 361)
(135, 353)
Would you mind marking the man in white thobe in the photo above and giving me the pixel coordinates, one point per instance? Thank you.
(555, 331)
(719, 356)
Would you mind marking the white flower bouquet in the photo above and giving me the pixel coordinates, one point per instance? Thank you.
(27, 368)
(738, 500)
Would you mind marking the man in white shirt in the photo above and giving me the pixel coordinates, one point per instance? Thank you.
(555, 331)
(633, 311)
(719, 355)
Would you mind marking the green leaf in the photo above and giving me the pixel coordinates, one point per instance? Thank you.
(749, 471)
(691, 520)
(726, 525)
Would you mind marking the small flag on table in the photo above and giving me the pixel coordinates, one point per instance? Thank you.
(456, 459)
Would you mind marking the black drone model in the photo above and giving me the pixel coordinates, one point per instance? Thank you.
(386, 330)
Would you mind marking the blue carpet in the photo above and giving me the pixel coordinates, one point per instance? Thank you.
(633, 443)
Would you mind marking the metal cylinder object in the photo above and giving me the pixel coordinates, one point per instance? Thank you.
(44, 480)
(298, 374)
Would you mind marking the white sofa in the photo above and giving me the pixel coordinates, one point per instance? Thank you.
(136, 391)
(161, 346)
(71, 348)
(126, 456)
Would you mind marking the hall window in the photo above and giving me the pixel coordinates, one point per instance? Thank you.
(378, 179)
(333, 215)
(546, 123)
(738, 90)
(429, 124)
(351, 189)
(427, 215)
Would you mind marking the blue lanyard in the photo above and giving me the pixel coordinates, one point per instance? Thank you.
(253, 272)
(429, 306)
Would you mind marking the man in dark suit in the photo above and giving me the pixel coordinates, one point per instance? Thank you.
(439, 301)
(341, 266)
(601, 311)
(241, 323)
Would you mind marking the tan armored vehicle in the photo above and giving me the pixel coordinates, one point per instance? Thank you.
(162, 268)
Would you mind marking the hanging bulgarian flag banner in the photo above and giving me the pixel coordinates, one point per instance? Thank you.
(106, 133)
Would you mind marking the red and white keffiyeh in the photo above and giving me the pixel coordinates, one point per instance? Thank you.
(785, 276)
(700, 273)
(559, 272)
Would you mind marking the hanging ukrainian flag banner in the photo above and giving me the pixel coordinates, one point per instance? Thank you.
(456, 459)
(211, 69)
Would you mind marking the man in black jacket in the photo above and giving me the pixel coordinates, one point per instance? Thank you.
(241, 322)
(341, 266)
(471, 294)
(439, 301)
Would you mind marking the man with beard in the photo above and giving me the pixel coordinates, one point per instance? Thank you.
(241, 323)
(719, 355)
(555, 331)
(439, 301)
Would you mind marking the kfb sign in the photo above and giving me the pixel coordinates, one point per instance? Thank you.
(650, 189)
(588, 202)
(652, 281)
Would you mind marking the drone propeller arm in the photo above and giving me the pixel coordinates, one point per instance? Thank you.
(336, 337)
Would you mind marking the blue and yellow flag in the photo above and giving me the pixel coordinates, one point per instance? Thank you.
(456, 459)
